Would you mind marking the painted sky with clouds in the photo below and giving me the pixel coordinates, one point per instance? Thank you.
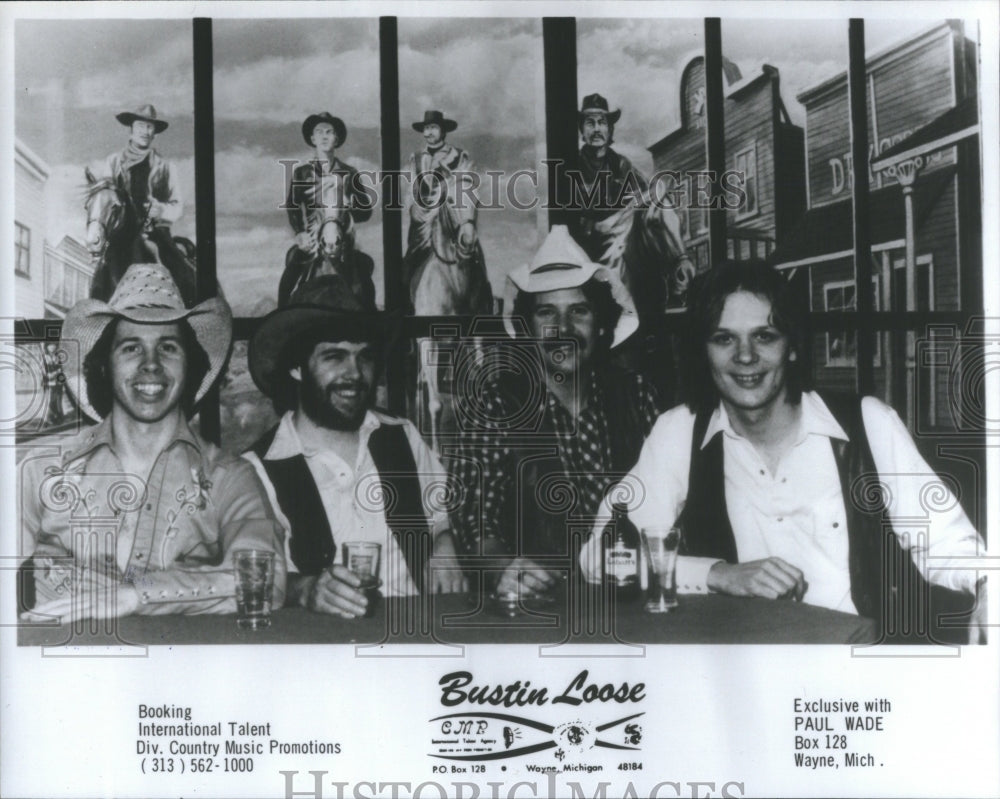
(73, 77)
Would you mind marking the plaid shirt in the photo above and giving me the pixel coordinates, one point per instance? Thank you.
(484, 462)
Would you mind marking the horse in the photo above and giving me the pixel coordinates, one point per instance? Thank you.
(449, 280)
(336, 254)
(645, 248)
(116, 239)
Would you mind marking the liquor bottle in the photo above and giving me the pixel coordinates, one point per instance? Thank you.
(622, 555)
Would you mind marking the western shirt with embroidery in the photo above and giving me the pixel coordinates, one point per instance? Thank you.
(171, 535)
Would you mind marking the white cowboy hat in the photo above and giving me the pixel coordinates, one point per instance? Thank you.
(561, 263)
(146, 294)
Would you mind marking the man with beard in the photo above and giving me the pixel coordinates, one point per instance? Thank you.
(551, 422)
(339, 470)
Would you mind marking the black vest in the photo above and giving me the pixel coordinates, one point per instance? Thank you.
(139, 186)
(312, 544)
(885, 584)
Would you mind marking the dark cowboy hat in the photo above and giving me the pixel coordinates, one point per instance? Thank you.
(325, 304)
(339, 128)
(146, 113)
(594, 104)
(435, 118)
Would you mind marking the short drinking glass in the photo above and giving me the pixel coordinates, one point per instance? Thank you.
(662, 544)
(362, 559)
(254, 571)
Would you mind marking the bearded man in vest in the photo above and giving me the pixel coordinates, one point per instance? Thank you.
(549, 423)
(791, 494)
(338, 469)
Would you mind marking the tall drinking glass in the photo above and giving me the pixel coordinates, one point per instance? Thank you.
(254, 572)
(661, 546)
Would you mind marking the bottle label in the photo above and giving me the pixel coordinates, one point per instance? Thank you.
(621, 565)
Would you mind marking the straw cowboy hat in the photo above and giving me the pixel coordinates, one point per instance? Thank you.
(596, 104)
(339, 128)
(561, 263)
(145, 113)
(146, 294)
(326, 303)
(435, 118)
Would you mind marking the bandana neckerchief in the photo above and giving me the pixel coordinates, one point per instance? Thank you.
(133, 155)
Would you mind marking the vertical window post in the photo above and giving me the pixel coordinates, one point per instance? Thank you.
(204, 193)
(858, 98)
(715, 138)
(396, 293)
(561, 137)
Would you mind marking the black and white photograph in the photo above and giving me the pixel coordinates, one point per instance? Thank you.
(499, 400)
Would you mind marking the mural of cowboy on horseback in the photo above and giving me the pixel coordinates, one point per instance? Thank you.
(444, 261)
(131, 205)
(444, 264)
(325, 200)
(638, 237)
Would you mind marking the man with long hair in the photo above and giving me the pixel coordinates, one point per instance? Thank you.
(139, 514)
(769, 472)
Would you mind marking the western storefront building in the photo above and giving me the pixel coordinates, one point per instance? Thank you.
(762, 145)
(923, 174)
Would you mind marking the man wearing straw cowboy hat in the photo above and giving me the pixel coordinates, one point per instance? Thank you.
(550, 415)
(339, 470)
(139, 514)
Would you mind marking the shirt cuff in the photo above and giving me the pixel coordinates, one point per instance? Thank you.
(953, 577)
(186, 592)
(692, 574)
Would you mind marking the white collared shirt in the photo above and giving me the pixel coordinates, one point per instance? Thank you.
(798, 512)
(351, 493)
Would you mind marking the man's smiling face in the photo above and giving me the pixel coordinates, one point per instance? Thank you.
(148, 369)
(748, 355)
(337, 383)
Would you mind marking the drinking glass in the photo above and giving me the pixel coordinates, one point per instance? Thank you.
(254, 572)
(661, 547)
(362, 558)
